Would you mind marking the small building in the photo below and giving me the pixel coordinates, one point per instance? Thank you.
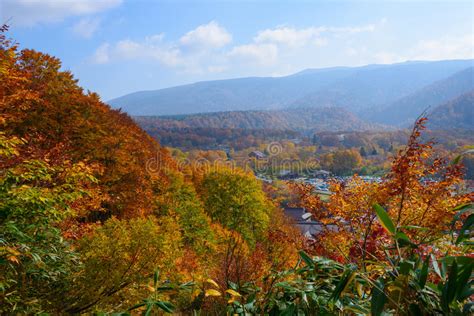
(321, 174)
(288, 175)
(295, 213)
(307, 226)
(257, 154)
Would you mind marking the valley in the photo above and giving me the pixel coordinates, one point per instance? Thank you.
(252, 158)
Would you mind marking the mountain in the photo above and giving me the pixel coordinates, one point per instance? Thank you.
(405, 110)
(374, 86)
(310, 119)
(353, 88)
(227, 95)
(455, 114)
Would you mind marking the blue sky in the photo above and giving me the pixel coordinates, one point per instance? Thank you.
(116, 47)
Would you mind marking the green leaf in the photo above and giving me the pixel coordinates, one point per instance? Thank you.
(468, 223)
(164, 288)
(136, 306)
(343, 284)
(434, 261)
(467, 292)
(378, 298)
(413, 227)
(402, 235)
(147, 312)
(451, 284)
(424, 273)
(457, 159)
(463, 282)
(357, 309)
(384, 218)
(463, 207)
(307, 259)
(415, 309)
(289, 311)
(406, 266)
(166, 306)
(155, 278)
(403, 240)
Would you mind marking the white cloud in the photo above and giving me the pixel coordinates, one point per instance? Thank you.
(196, 51)
(32, 12)
(388, 58)
(263, 54)
(216, 69)
(151, 48)
(86, 27)
(445, 48)
(101, 55)
(130, 49)
(155, 38)
(288, 36)
(269, 46)
(293, 37)
(461, 47)
(210, 35)
(206, 48)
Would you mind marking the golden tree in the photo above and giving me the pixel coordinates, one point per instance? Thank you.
(420, 192)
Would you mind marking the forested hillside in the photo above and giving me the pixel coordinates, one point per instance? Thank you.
(91, 206)
(307, 119)
(455, 114)
(351, 88)
(97, 218)
(402, 112)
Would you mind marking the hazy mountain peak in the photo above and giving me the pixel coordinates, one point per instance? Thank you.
(352, 88)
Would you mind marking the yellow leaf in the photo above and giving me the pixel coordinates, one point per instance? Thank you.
(13, 251)
(233, 293)
(212, 292)
(195, 293)
(360, 289)
(13, 259)
(211, 281)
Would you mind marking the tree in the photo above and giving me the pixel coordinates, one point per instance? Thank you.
(468, 162)
(36, 261)
(236, 200)
(68, 163)
(419, 191)
(345, 161)
(45, 106)
(179, 200)
(118, 259)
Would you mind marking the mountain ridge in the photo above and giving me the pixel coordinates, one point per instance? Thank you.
(457, 113)
(307, 120)
(352, 88)
(403, 111)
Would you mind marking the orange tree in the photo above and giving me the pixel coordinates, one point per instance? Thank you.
(138, 212)
(420, 192)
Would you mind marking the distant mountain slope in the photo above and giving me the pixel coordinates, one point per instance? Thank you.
(374, 86)
(227, 95)
(352, 88)
(405, 110)
(455, 114)
(314, 119)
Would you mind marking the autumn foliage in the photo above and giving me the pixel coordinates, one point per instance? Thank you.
(91, 205)
(420, 192)
(97, 217)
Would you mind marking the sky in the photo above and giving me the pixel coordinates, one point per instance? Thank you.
(115, 47)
